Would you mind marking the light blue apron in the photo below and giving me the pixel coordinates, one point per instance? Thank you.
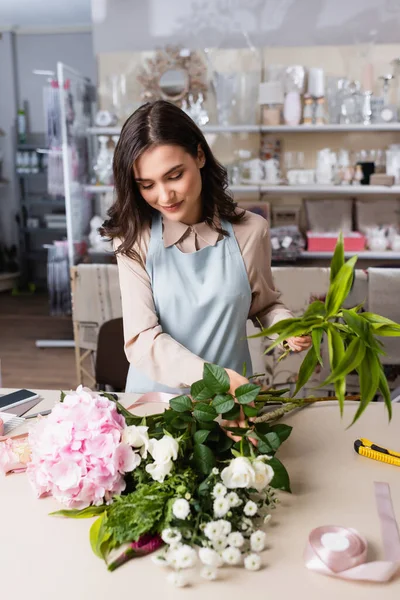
(202, 300)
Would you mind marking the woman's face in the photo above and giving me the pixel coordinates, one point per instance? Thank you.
(169, 180)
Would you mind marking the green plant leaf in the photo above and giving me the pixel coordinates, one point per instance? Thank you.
(316, 336)
(386, 330)
(340, 287)
(208, 425)
(378, 320)
(273, 439)
(306, 370)
(315, 309)
(216, 379)
(201, 435)
(224, 444)
(283, 431)
(204, 458)
(337, 261)
(99, 535)
(250, 411)
(247, 393)
(244, 370)
(353, 356)
(302, 328)
(280, 481)
(83, 513)
(181, 404)
(234, 414)
(180, 423)
(200, 392)
(62, 396)
(223, 403)
(357, 324)
(369, 371)
(277, 328)
(336, 353)
(385, 391)
(237, 430)
(204, 412)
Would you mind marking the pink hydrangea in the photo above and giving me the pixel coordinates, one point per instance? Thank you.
(77, 453)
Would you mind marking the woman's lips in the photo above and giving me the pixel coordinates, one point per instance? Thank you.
(172, 207)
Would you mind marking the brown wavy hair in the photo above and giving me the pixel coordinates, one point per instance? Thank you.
(161, 123)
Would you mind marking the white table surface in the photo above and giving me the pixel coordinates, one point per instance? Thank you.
(47, 558)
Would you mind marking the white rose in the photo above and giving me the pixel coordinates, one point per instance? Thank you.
(164, 450)
(137, 437)
(263, 475)
(239, 474)
(159, 471)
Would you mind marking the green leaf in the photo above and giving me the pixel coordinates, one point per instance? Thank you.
(237, 430)
(180, 422)
(337, 261)
(316, 336)
(200, 392)
(340, 287)
(353, 356)
(247, 393)
(83, 513)
(307, 369)
(223, 403)
(273, 439)
(315, 309)
(378, 319)
(244, 370)
(224, 444)
(201, 435)
(357, 324)
(385, 391)
(280, 481)
(234, 414)
(276, 329)
(336, 353)
(369, 371)
(216, 379)
(250, 411)
(204, 412)
(62, 396)
(181, 404)
(204, 458)
(283, 431)
(99, 535)
(386, 330)
(295, 330)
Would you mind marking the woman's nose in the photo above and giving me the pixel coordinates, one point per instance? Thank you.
(165, 195)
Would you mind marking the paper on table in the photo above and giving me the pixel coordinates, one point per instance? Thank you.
(10, 421)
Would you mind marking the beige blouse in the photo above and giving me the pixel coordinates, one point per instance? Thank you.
(157, 354)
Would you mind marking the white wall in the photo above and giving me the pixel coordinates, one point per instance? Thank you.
(43, 51)
(132, 25)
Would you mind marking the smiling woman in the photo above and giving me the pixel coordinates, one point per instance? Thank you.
(193, 268)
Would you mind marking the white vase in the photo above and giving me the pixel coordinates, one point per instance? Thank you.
(292, 108)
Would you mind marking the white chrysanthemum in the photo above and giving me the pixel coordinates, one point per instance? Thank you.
(257, 541)
(213, 530)
(250, 508)
(160, 559)
(247, 524)
(231, 556)
(181, 508)
(209, 573)
(185, 557)
(210, 557)
(252, 562)
(178, 579)
(236, 539)
(219, 490)
(171, 536)
(219, 544)
(221, 507)
(233, 499)
(215, 471)
(226, 526)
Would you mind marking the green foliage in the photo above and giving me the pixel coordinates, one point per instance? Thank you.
(353, 338)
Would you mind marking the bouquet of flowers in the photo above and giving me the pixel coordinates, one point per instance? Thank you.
(173, 480)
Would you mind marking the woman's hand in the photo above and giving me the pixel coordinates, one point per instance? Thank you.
(1, 427)
(236, 380)
(298, 344)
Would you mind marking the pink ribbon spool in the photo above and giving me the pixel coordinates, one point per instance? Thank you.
(342, 552)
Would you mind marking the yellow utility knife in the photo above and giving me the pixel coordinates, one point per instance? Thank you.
(370, 450)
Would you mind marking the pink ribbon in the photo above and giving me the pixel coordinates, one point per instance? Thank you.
(342, 552)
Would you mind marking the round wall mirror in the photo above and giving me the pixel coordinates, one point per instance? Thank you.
(174, 84)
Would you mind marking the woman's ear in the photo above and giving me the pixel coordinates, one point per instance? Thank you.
(201, 158)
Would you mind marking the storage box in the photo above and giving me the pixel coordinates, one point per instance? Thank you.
(326, 242)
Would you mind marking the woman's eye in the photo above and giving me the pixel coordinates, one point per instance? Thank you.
(147, 187)
(175, 177)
